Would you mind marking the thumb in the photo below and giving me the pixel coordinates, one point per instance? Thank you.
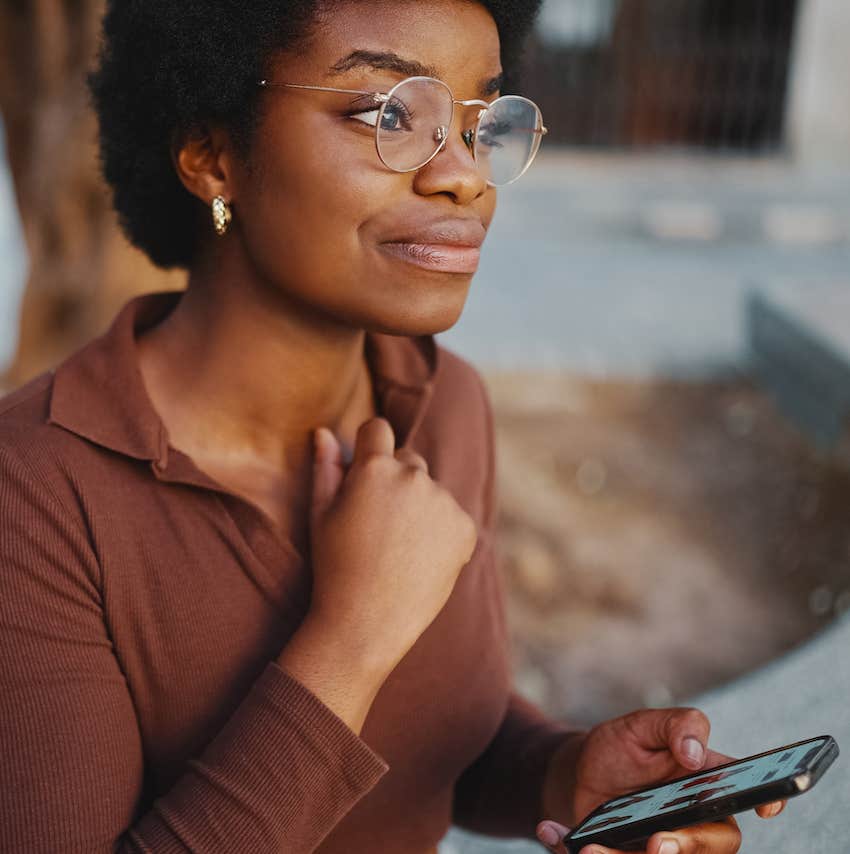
(550, 833)
(328, 472)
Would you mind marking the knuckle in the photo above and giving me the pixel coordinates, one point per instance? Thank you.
(375, 464)
(694, 843)
(418, 475)
(690, 717)
(693, 713)
(412, 460)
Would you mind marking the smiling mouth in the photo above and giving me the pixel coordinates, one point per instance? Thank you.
(441, 257)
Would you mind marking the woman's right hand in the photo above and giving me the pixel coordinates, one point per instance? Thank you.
(387, 543)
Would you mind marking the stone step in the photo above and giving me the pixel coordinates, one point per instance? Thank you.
(799, 344)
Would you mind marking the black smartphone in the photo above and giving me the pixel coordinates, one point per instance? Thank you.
(628, 821)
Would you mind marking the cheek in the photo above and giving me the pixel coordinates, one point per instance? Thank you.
(310, 232)
(308, 208)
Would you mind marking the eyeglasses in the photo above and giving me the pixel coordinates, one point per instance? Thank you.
(413, 119)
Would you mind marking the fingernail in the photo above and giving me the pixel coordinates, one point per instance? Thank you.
(669, 846)
(548, 835)
(694, 751)
(775, 809)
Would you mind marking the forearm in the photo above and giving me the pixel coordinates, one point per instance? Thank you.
(345, 678)
(501, 793)
(558, 796)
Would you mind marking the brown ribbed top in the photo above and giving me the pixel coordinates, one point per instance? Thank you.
(142, 605)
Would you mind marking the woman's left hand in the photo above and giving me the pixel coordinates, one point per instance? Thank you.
(641, 749)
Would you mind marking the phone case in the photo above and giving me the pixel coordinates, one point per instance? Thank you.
(633, 836)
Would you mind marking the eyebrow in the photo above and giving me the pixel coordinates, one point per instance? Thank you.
(407, 67)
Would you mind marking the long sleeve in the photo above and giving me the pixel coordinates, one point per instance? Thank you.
(500, 794)
(279, 775)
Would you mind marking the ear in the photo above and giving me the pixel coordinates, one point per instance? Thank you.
(201, 158)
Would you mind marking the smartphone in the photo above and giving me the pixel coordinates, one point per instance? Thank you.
(627, 822)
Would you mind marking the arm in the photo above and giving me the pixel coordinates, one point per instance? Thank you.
(503, 792)
(280, 774)
(510, 787)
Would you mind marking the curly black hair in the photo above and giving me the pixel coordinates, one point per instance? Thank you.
(165, 67)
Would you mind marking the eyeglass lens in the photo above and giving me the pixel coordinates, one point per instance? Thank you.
(412, 123)
(508, 138)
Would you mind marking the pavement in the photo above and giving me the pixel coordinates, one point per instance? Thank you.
(641, 265)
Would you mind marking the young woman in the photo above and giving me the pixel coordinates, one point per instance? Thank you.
(249, 599)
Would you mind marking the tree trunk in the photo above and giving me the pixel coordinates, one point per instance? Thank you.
(81, 267)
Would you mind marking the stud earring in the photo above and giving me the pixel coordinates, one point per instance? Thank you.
(221, 215)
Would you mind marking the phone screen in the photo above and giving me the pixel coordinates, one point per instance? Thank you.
(703, 789)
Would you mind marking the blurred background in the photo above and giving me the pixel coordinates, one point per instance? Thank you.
(662, 316)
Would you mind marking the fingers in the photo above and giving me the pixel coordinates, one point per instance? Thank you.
(682, 731)
(686, 733)
(718, 837)
(723, 837)
(550, 833)
(770, 810)
(374, 436)
(327, 470)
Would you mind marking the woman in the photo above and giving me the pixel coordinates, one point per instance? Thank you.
(249, 594)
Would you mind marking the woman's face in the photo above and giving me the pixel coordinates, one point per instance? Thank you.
(319, 212)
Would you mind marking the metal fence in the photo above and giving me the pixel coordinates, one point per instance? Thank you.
(691, 73)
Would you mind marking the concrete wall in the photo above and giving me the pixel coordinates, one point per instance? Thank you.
(819, 106)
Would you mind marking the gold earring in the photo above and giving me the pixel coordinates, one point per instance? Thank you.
(221, 215)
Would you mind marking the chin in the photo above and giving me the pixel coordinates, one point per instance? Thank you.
(430, 317)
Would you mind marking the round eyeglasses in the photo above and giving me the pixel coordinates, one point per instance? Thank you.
(413, 119)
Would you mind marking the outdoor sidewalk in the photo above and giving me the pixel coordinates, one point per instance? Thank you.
(633, 265)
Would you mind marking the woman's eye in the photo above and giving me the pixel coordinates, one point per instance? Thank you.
(369, 117)
(396, 116)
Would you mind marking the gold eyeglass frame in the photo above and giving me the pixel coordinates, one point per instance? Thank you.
(442, 131)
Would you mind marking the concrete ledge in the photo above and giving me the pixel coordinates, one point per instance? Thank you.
(799, 344)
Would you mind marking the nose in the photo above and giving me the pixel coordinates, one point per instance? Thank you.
(453, 170)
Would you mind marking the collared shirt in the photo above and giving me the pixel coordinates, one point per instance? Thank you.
(142, 605)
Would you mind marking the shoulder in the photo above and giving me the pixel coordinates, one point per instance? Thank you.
(28, 404)
(24, 415)
(37, 457)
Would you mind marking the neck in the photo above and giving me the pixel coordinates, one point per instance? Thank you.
(243, 376)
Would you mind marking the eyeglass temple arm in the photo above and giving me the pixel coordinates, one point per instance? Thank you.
(543, 130)
(379, 95)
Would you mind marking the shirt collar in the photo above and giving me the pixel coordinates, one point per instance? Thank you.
(99, 394)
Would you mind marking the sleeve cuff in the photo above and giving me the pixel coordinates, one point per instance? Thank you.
(295, 702)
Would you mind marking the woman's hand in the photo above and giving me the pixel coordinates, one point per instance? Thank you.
(387, 544)
(644, 748)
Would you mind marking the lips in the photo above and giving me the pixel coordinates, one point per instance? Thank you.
(448, 245)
